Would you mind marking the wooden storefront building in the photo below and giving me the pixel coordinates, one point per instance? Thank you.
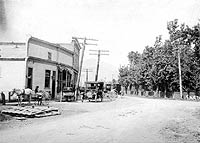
(38, 63)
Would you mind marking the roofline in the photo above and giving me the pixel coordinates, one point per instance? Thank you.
(12, 59)
(64, 43)
(12, 43)
(42, 41)
(49, 61)
(52, 44)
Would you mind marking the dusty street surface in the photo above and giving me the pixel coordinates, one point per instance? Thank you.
(127, 119)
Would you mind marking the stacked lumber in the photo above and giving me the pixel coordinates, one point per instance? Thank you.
(31, 112)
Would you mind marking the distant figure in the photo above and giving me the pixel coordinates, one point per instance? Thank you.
(36, 89)
(3, 98)
(39, 95)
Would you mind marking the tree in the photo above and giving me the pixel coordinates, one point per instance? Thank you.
(134, 69)
(156, 68)
(182, 37)
(124, 77)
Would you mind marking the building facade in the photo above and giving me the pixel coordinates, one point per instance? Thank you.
(38, 63)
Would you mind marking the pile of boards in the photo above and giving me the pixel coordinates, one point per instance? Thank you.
(31, 111)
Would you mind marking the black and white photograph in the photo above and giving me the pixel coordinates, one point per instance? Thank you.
(99, 71)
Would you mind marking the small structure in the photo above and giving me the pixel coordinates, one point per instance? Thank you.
(38, 63)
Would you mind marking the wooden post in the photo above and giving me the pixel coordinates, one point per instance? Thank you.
(97, 72)
(99, 53)
(86, 75)
(79, 73)
(61, 86)
(81, 62)
(179, 68)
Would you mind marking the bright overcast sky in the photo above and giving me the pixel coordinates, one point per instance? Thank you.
(120, 26)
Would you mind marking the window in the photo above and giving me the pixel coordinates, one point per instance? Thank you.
(49, 55)
(47, 78)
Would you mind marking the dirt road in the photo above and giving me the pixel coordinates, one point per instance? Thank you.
(127, 120)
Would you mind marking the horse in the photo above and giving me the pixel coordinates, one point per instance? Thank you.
(21, 93)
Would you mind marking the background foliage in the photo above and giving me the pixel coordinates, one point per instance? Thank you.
(156, 68)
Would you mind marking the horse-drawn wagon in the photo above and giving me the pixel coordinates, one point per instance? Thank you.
(29, 95)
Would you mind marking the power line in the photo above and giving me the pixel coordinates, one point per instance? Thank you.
(87, 74)
(84, 42)
(98, 53)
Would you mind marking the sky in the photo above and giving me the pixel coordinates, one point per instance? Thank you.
(120, 26)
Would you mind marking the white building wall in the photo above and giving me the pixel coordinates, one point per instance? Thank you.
(39, 74)
(39, 51)
(12, 75)
(65, 58)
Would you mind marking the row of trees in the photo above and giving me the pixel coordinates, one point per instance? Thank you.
(156, 68)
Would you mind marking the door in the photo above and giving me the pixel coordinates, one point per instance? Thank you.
(30, 78)
(53, 84)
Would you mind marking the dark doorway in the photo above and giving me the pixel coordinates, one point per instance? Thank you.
(30, 78)
(61, 80)
(64, 78)
(53, 84)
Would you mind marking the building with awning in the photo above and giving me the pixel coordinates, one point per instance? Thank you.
(38, 63)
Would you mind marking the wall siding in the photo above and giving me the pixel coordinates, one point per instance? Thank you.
(41, 52)
(65, 59)
(39, 74)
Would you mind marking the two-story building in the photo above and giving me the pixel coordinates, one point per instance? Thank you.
(38, 63)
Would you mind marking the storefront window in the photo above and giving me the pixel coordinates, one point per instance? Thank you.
(47, 78)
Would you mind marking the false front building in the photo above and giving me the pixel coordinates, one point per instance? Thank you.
(38, 63)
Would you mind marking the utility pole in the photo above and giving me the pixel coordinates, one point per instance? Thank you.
(177, 43)
(179, 69)
(87, 74)
(76, 39)
(99, 53)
